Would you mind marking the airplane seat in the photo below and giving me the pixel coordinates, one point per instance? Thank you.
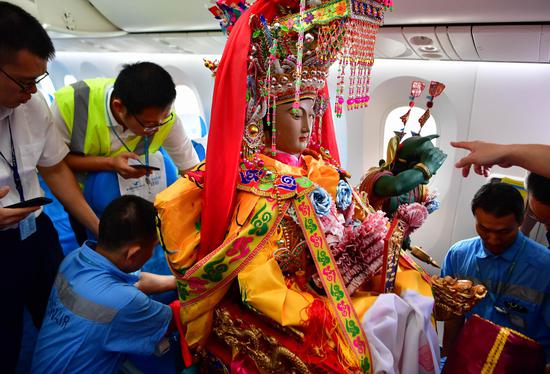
(200, 147)
(200, 143)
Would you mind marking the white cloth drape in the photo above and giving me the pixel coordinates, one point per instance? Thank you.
(401, 336)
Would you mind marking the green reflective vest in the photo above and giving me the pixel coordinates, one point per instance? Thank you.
(83, 108)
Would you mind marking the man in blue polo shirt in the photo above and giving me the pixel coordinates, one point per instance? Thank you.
(514, 268)
(97, 311)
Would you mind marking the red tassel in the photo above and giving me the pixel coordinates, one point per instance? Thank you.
(187, 359)
(319, 324)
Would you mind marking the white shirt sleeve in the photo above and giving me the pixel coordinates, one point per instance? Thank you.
(179, 147)
(59, 123)
(55, 149)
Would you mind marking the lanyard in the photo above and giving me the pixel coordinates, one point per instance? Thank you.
(497, 293)
(13, 166)
(146, 138)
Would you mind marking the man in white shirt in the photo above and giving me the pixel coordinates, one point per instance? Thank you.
(119, 125)
(31, 252)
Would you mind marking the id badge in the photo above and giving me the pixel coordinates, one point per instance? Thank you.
(27, 226)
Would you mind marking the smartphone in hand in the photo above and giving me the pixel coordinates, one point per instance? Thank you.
(148, 168)
(38, 201)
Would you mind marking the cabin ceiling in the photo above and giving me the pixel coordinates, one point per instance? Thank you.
(469, 30)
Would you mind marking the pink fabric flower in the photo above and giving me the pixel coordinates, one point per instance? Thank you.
(413, 215)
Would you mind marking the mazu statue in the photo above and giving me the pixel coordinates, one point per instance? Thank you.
(282, 266)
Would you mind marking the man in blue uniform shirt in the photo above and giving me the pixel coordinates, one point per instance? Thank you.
(97, 311)
(514, 268)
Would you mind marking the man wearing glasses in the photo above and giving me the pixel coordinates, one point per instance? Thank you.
(119, 126)
(31, 252)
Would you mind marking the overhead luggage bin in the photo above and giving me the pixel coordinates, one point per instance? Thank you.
(158, 16)
(514, 43)
(463, 42)
(391, 43)
(74, 18)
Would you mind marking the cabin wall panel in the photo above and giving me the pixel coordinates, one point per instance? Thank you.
(511, 106)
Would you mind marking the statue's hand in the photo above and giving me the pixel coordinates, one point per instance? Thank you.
(433, 159)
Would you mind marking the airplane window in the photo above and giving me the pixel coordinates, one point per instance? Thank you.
(393, 123)
(69, 79)
(188, 108)
(47, 89)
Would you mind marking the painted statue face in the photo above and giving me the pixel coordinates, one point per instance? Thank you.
(497, 233)
(18, 77)
(294, 130)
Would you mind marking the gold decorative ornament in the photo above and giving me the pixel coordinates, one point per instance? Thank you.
(269, 356)
(454, 297)
(423, 256)
(424, 169)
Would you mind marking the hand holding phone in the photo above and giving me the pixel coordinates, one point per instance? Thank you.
(10, 217)
(141, 166)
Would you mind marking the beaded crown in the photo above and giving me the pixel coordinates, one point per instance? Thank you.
(290, 56)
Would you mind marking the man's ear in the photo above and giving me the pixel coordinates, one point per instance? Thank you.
(131, 251)
(118, 106)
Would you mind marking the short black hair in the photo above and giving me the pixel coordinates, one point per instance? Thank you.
(539, 187)
(18, 31)
(127, 220)
(143, 85)
(499, 200)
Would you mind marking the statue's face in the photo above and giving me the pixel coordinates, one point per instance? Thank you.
(294, 130)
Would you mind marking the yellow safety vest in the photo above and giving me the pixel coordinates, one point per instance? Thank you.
(83, 108)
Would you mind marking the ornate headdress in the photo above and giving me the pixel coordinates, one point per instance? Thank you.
(280, 51)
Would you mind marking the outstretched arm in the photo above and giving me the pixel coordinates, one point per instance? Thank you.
(150, 283)
(63, 185)
(405, 181)
(483, 155)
